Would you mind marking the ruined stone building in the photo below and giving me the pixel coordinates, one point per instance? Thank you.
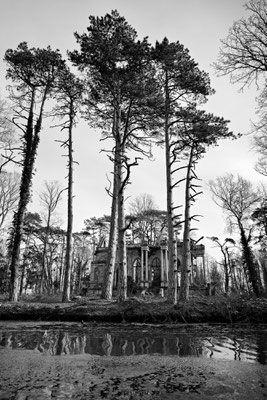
(148, 266)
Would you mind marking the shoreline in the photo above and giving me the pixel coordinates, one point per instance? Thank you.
(198, 309)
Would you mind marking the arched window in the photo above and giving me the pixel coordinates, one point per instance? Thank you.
(137, 270)
(155, 272)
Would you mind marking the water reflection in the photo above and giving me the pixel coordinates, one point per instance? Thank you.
(235, 343)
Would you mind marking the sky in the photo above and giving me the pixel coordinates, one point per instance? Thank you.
(199, 25)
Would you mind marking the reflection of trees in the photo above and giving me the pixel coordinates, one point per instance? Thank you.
(186, 346)
(107, 344)
(261, 349)
(60, 342)
(47, 342)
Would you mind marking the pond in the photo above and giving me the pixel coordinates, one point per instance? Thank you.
(246, 343)
(41, 361)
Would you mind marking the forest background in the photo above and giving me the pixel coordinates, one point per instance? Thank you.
(199, 26)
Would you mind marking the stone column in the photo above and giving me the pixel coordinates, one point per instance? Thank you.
(206, 269)
(166, 267)
(162, 264)
(142, 268)
(144, 252)
(134, 273)
(161, 272)
(146, 258)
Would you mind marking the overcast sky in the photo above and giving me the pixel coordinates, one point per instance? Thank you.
(198, 25)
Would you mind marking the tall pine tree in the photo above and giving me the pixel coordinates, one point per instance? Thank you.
(122, 104)
(182, 83)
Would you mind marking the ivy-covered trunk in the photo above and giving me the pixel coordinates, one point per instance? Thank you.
(33, 71)
(252, 268)
(31, 139)
(226, 265)
(18, 219)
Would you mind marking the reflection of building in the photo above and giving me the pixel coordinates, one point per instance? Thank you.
(147, 266)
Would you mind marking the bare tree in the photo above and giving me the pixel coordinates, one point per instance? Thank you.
(243, 52)
(243, 57)
(226, 261)
(237, 197)
(142, 203)
(49, 199)
(9, 194)
(149, 224)
(260, 138)
(7, 136)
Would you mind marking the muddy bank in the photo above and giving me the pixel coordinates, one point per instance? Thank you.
(28, 375)
(196, 310)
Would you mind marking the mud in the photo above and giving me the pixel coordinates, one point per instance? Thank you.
(29, 375)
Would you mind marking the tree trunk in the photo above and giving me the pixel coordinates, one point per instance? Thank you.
(112, 246)
(227, 271)
(22, 278)
(226, 282)
(69, 239)
(62, 267)
(32, 139)
(44, 272)
(253, 273)
(264, 271)
(17, 224)
(172, 273)
(234, 278)
(122, 260)
(24, 267)
(78, 277)
(49, 280)
(186, 257)
(31, 142)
